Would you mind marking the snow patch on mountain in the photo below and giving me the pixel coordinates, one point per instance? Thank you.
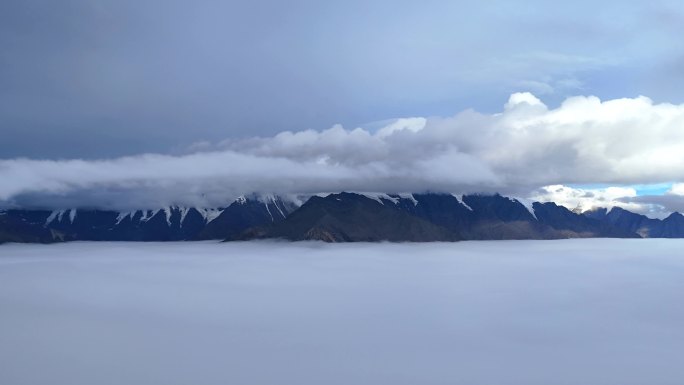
(528, 205)
(56, 214)
(380, 197)
(148, 214)
(409, 197)
(167, 212)
(459, 198)
(72, 215)
(123, 215)
(209, 214)
(184, 213)
(51, 217)
(394, 198)
(275, 203)
(269, 212)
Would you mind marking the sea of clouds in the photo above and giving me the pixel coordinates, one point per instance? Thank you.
(600, 312)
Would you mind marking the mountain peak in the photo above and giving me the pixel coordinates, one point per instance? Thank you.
(342, 216)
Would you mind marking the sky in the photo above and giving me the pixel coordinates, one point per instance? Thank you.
(168, 102)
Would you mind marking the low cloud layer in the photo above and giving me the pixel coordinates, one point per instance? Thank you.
(594, 311)
(518, 150)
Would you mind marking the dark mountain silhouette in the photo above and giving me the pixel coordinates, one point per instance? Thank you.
(246, 213)
(349, 217)
(562, 219)
(342, 217)
(167, 224)
(670, 227)
(26, 226)
(430, 217)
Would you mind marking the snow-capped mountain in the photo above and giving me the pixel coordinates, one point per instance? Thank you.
(431, 217)
(339, 217)
(163, 224)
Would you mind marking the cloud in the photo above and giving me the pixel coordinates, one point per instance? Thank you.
(518, 150)
(216, 178)
(677, 189)
(585, 140)
(671, 201)
(593, 311)
(587, 199)
(120, 77)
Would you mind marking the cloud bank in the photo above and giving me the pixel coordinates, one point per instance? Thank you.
(592, 311)
(518, 150)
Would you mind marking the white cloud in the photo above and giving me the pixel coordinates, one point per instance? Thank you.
(586, 199)
(659, 205)
(410, 124)
(579, 199)
(677, 189)
(597, 311)
(527, 145)
(215, 178)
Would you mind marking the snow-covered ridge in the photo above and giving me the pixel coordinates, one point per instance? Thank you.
(208, 214)
(275, 206)
(271, 202)
(459, 198)
(123, 215)
(380, 197)
(184, 212)
(394, 198)
(409, 197)
(145, 215)
(59, 214)
(528, 205)
(167, 212)
(266, 200)
(56, 214)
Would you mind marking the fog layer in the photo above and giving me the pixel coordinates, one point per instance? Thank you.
(522, 312)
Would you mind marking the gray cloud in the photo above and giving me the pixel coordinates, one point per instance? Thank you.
(213, 179)
(110, 78)
(527, 145)
(596, 311)
(668, 202)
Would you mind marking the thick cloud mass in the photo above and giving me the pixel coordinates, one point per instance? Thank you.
(520, 149)
(215, 178)
(592, 311)
(110, 78)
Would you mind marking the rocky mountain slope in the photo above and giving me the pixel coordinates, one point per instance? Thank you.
(670, 227)
(430, 217)
(165, 224)
(342, 217)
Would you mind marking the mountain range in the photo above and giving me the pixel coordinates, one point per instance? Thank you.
(340, 217)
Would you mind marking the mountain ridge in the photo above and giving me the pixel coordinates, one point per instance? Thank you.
(345, 217)
(339, 217)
